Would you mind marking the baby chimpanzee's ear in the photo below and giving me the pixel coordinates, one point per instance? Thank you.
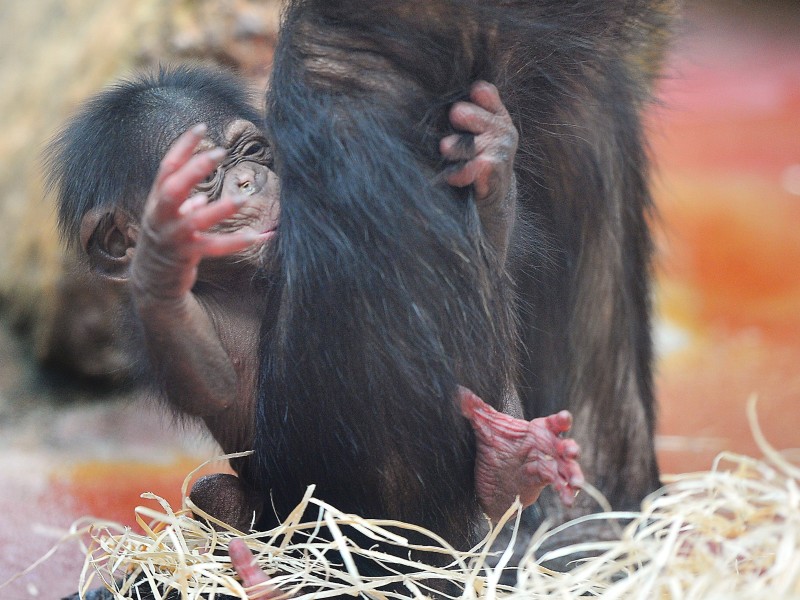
(108, 236)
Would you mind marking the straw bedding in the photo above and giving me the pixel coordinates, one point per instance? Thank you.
(730, 533)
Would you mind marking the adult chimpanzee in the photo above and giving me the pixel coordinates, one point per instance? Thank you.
(390, 296)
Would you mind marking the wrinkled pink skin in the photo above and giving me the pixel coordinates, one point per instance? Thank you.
(520, 458)
(251, 575)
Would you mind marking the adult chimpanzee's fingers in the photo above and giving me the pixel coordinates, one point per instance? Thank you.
(223, 244)
(457, 147)
(485, 95)
(180, 151)
(248, 570)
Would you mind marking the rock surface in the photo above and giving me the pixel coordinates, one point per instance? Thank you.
(55, 54)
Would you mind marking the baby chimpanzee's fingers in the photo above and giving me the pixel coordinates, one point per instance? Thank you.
(251, 574)
(457, 147)
(480, 172)
(485, 95)
(224, 244)
(180, 152)
(574, 475)
(471, 118)
(192, 204)
(205, 216)
(559, 422)
(566, 494)
(569, 448)
(570, 481)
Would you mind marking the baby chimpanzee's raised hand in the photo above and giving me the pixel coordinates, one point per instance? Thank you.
(175, 225)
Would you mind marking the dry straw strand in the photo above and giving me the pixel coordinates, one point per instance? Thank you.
(731, 533)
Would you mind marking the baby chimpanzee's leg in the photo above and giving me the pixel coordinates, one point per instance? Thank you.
(520, 458)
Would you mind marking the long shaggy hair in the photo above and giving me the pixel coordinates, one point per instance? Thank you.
(390, 296)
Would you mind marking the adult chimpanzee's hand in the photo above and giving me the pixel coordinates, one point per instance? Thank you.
(487, 155)
(490, 157)
(175, 235)
(520, 458)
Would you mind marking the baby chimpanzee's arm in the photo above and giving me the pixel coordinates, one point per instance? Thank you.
(197, 374)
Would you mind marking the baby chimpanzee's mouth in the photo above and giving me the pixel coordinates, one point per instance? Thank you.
(271, 228)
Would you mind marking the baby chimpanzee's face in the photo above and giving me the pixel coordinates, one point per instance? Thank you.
(245, 173)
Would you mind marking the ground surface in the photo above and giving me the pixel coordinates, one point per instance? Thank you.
(728, 144)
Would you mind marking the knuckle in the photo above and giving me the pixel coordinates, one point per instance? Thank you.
(169, 164)
(489, 87)
(170, 190)
(486, 163)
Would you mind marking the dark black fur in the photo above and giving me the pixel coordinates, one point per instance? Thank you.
(109, 152)
(390, 295)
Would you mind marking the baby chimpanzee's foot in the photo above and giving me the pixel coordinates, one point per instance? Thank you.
(520, 458)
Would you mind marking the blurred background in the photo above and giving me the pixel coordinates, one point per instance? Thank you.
(77, 439)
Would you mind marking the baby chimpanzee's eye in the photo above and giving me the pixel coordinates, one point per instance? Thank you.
(253, 149)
